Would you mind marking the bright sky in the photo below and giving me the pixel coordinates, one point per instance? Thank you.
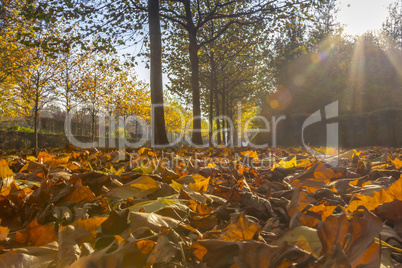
(362, 15)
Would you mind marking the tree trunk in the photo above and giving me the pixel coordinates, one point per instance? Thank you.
(93, 127)
(158, 116)
(227, 120)
(193, 49)
(223, 113)
(211, 99)
(218, 124)
(68, 108)
(36, 123)
(213, 85)
(231, 130)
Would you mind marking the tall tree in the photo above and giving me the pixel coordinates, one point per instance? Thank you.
(155, 37)
(34, 86)
(92, 89)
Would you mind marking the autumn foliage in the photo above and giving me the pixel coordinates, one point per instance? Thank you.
(200, 208)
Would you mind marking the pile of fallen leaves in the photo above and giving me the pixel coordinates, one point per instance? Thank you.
(200, 208)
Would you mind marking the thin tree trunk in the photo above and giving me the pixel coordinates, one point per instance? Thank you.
(93, 127)
(36, 114)
(227, 120)
(213, 85)
(68, 108)
(77, 127)
(193, 49)
(223, 113)
(230, 115)
(36, 123)
(217, 108)
(211, 99)
(195, 87)
(158, 116)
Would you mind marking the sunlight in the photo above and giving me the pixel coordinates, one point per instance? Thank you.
(325, 49)
(394, 56)
(356, 77)
(360, 16)
(301, 69)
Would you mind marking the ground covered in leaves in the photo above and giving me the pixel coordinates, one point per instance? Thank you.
(201, 208)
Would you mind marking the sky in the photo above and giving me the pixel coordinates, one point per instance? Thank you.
(362, 15)
(357, 17)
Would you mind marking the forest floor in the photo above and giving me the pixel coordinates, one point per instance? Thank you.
(239, 207)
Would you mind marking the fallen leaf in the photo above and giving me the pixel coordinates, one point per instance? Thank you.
(164, 251)
(303, 237)
(240, 228)
(36, 234)
(35, 257)
(355, 236)
(378, 198)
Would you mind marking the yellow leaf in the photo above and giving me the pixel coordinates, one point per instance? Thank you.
(303, 237)
(286, 164)
(348, 155)
(199, 185)
(211, 165)
(250, 154)
(145, 183)
(120, 171)
(304, 163)
(5, 171)
(146, 169)
(32, 158)
(143, 151)
(176, 185)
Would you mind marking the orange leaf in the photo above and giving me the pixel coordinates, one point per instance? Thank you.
(85, 229)
(3, 233)
(145, 246)
(37, 235)
(397, 163)
(81, 195)
(240, 228)
(378, 198)
(44, 157)
(324, 211)
(61, 162)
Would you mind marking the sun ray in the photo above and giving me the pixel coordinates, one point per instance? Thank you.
(356, 78)
(393, 51)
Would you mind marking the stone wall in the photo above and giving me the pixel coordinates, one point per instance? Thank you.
(16, 140)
